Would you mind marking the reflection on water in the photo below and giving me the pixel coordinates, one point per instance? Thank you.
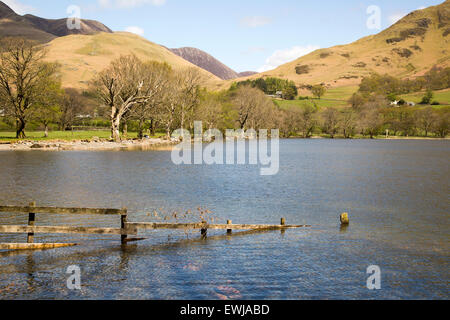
(396, 193)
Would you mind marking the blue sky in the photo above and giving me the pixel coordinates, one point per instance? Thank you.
(245, 35)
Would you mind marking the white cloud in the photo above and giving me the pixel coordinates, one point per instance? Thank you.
(256, 21)
(136, 30)
(280, 57)
(129, 3)
(18, 7)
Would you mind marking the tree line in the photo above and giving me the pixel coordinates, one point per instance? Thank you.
(155, 98)
(271, 86)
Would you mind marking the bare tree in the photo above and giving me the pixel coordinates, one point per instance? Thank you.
(210, 110)
(167, 111)
(121, 86)
(288, 122)
(330, 121)
(157, 78)
(22, 74)
(348, 124)
(189, 81)
(307, 121)
(370, 122)
(426, 119)
(441, 126)
(246, 100)
(71, 106)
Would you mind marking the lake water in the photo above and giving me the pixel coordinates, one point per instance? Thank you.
(396, 192)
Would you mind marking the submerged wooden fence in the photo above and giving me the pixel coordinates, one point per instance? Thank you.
(126, 228)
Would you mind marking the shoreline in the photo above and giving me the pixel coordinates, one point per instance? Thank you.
(147, 144)
(85, 145)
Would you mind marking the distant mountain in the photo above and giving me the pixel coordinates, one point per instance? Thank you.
(247, 73)
(407, 49)
(83, 56)
(40, 29)
(209, 63)
(84, 53)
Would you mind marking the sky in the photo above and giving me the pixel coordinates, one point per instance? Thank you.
(246, 35)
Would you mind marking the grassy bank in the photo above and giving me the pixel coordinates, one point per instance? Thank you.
(65, 135)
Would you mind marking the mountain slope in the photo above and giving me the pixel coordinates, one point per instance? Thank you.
(83, 56)
(407, 49)
(58, 27)
(40, 29)
(84, 53)
(209, 63)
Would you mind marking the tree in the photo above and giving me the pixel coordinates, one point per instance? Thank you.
(189, 81)
(440, 127)
(370, 122)
(157, 78)
(357, 101)
(210, 110)
(407, 122)
(168, 109)
(121, 86)
(427, 97)
(393, 120)
(246, 101)
(71, 106)
(22, 75)
(330, 121)
(426, 120)
(348, 123)
(289, 93)
(307, 121)
(319, 90)
(48, 107)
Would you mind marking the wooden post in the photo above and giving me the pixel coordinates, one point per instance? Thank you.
(283, 223)
(229, 231)
(204, 233)
(123, 224)
(345, 221)
(31, 220)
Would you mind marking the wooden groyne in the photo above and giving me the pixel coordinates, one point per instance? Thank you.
(125, 230)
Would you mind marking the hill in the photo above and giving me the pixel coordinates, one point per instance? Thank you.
(209, 63)
(40, 29)
(407, 49)
(83, 56)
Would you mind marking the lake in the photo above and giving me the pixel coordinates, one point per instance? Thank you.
(396, 193)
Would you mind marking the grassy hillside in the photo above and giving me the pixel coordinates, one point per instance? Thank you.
(442, 96)
(83, 56)
(407, 49)
(338, 98)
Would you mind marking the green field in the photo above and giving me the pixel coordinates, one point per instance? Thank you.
(341, 93)
(443, 97)
(334, 97)
(338, 98)
(64, 135)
